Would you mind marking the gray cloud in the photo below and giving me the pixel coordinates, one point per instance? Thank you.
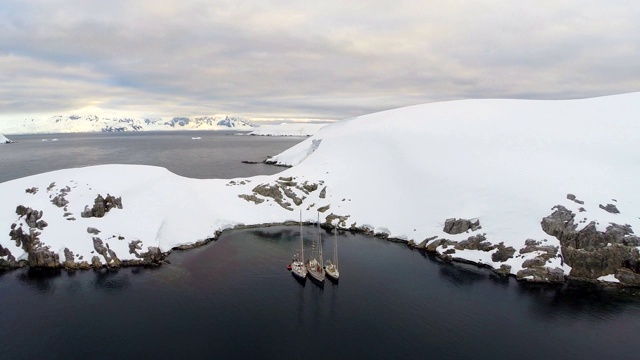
(292, 59)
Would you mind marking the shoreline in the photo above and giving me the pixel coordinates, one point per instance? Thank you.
(432, 254)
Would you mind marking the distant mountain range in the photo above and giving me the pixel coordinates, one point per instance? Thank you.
(94, 123)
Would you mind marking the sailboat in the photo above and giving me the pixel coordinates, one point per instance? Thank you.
(314, 267)
(298, 268)
(332, 267)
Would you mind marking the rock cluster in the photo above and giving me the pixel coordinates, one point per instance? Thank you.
(39, 255)
(101, 206)
(592, 253)
(535, 269)
(458, 226)
(281, 192)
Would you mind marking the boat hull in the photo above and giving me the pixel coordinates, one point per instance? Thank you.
(298, 270)
(333, 275)
(316, 272)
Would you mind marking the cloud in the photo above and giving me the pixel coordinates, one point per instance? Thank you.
(308, 60)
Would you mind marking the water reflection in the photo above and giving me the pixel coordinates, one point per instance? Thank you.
(112, 279)
(461, 274)
(41, 279)
(587, 301)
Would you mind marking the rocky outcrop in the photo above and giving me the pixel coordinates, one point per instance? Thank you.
(282, 192)
(59, 200)
(252, 198)
(592, 253)
(458, 226)
(610, 208)
(101, 206)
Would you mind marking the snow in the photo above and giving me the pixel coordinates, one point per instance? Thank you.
(288, 129)
(4, 140)
(402, 172)
(609, 278)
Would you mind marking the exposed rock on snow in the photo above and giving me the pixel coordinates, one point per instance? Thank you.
(458, 226)
(592, 253)
(101, 206)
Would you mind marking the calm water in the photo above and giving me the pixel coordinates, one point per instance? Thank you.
(234, 298)
(216, 155)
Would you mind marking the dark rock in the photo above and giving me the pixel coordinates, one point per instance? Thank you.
(59, 201)
(610, 208)
(591, 264)
(101, 206)
(537, 261)
(69, 262)
(43, 257)
(541, 274)
(92, 230)
(503, 270)
(324, 208)
(503, 253)
(458, 226)
(323, 193)
(476, 242)
(95, 262)
(32, 190)
(134, 246)
(342, 220)
(309, 188)
(251, 197)
(628, 277)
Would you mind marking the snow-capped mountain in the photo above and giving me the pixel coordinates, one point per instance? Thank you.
(95, 123)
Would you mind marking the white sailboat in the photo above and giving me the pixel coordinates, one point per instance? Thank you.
(314, 267)
(298, 268)
(332, 267)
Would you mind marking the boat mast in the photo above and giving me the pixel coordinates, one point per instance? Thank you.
(320, 240)
(335, 245)
(301, 239)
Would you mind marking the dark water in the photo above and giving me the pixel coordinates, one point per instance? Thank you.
(234, 299)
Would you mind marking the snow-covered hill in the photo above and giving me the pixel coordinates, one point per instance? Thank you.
(537, 189)
(94, 123)
(288, 129)
(4, 140)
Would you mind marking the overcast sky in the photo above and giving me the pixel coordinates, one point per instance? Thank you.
(307, 59)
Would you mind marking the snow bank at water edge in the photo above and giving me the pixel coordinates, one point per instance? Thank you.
(537, 189)
(4, 140)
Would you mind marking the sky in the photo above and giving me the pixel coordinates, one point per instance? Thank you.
(305, 59)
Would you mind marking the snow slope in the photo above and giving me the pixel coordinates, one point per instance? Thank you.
(401, 172)
(288, 129)
(4, 140)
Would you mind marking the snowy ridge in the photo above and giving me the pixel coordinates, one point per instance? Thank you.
(94, 123)
(400, 173)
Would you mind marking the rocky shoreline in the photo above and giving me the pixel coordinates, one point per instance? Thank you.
(533, 272)
(591, 253)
